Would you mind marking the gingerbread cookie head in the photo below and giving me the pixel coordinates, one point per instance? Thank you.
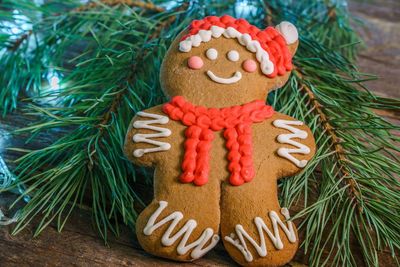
(222, 61)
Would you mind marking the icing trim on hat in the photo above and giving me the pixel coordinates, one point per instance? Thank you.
(270, 45)
(267, 67)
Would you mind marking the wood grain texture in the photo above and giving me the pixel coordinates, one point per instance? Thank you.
(79, 245)
(381, 33)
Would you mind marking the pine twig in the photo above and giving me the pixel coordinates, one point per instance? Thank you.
(332, 13)
(90, 5)
(111, 193)
(131, 3)
(336, 141)
(131, 79)
(118, 97)
(268, 15)
(20, 40)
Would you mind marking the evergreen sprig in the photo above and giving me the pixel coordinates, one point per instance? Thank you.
(350, 189)
(108, 78)
(108, 54)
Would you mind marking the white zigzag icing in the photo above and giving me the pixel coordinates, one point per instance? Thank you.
(198, 246)
(287, 139)
(146, 138)
(274, 236)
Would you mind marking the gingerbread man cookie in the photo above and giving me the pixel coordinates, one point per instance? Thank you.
(218, 149)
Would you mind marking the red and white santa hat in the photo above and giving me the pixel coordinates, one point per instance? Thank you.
(270, 44)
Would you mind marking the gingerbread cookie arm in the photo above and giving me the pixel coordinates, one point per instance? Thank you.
(147, 137)
(295, 144)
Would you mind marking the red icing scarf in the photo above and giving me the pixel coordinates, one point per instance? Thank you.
(201, 121)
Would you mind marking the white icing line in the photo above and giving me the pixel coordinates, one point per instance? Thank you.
(275, 238)
(287, 139)
(233, 79)
(267, 67)
(198, 246)
(146, 138)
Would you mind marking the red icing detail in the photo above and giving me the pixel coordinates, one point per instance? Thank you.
(205, 26)
(241, 29)
(226, 19)
(219, 24)
(236, 123)
(231, 24)
(243, 22)
(270, 39)
(212, 19)
(196, 23)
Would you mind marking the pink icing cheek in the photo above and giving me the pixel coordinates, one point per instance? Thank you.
(249, 65)
(195, 63)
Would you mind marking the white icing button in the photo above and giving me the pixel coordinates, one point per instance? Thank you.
(212, 53)
(233, 55)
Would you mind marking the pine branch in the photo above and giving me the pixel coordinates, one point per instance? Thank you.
(349, 196)
(354, 194)
(21, 81)
(20, 40)
(139, 58)
(131, 79)
(332, 13)
(91, 5)
(130, 3)
(100, 124)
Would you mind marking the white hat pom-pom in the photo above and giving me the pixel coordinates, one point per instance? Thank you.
(288, 31)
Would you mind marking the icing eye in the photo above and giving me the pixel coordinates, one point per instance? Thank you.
(212, 53)
(195, 62)
(249, 65)
(233, 55)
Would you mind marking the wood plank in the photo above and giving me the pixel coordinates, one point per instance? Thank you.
(381, 33)
(79, 245)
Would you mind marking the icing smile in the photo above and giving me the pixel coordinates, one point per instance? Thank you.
(233, 79)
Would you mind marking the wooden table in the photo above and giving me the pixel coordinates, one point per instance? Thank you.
(79, 244)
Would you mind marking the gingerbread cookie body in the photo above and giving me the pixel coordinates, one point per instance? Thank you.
(218, 149)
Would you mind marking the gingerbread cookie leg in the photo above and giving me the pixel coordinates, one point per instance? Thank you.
(254, 228)
(180, 226)
(256, 231)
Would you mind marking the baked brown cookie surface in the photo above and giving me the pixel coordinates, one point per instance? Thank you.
(218, 149)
